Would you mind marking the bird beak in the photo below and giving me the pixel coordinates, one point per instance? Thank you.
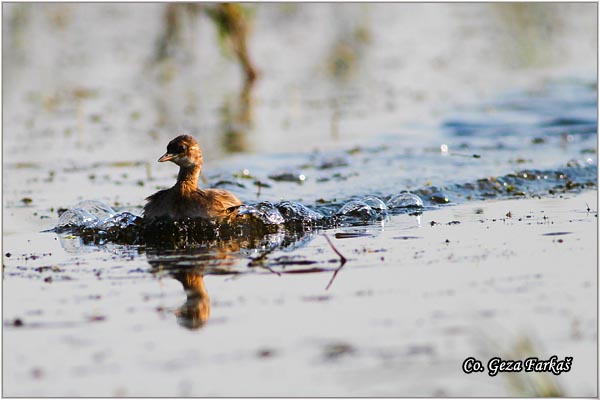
(167, 157)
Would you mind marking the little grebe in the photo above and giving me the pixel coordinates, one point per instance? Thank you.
(186, 199)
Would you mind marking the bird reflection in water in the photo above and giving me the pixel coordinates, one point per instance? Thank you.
(189, 266)
(196, 309)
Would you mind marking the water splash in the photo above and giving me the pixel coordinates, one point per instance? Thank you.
(85, 213)
(405, 200)
(96, 222)
(265, 212)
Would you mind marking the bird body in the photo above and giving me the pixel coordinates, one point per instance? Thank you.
(185, 198)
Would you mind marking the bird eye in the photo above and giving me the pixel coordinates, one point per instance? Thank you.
(175, 148)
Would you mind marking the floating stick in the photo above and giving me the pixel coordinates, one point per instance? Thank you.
(342, 262)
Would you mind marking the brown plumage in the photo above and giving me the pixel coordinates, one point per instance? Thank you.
(185, 198)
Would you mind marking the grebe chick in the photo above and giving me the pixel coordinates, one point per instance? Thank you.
(185, 198)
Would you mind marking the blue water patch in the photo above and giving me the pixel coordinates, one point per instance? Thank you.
(568, 107)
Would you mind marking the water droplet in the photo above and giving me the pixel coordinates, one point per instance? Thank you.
(405, 200)
(97, 208)
(265, 211)
(75, 217)
(375, 203)
(297, 212)
(357, 209)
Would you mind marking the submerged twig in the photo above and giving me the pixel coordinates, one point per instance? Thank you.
(259, 184)
(342, 258)
(342, 261)
(333, 277)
